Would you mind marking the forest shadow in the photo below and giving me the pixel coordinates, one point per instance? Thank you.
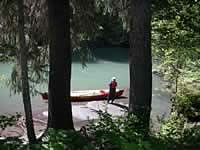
(120, 106)
(114, 54)
(115, 104)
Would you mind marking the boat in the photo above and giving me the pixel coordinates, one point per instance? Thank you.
(88, 95)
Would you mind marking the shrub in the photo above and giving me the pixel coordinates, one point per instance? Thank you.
(116, 133)
(187, 103)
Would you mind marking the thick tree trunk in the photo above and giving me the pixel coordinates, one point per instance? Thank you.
(60, 109)
(140, 59)
(24, 74)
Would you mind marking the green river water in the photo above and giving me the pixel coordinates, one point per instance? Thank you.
(110, 62)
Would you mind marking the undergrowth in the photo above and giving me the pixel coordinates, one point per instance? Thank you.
(120, 133)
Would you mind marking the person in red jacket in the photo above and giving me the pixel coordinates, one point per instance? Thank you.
(112, 90)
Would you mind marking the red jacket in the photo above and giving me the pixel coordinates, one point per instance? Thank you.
(113, 84)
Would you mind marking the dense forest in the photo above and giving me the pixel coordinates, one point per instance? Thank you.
(41, 38)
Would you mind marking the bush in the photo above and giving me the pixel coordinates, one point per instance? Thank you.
(177, 133)
(69, 140)
(187, 103)
(119, 133)
(6, 121)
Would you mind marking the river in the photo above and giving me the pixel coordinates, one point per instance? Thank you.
(110, 62)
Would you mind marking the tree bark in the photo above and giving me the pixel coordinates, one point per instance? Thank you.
(60, 109)
(140, 63)
(24, 74)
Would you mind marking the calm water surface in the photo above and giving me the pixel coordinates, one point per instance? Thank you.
(95, 76)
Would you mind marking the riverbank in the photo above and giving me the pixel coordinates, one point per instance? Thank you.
(82, 112)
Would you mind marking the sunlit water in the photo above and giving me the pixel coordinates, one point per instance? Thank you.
(95, 76)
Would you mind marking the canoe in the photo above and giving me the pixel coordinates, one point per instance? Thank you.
(88, 95)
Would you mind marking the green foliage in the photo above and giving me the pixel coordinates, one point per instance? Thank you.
(177, 133)
(123, 133)
(187, 103)
(70, 140)
(11, 144)
(105, 133)
(6, 121)
(120, 133)
(182, 128)
(175, 39)
(173, 128)
(35, 38)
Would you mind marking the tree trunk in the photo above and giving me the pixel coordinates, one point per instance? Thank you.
(24, 74)
(140, 63)
(60, 109)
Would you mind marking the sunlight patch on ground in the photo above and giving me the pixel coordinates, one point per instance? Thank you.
(89, 111)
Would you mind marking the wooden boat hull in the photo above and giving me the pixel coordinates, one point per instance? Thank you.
(88, 95)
